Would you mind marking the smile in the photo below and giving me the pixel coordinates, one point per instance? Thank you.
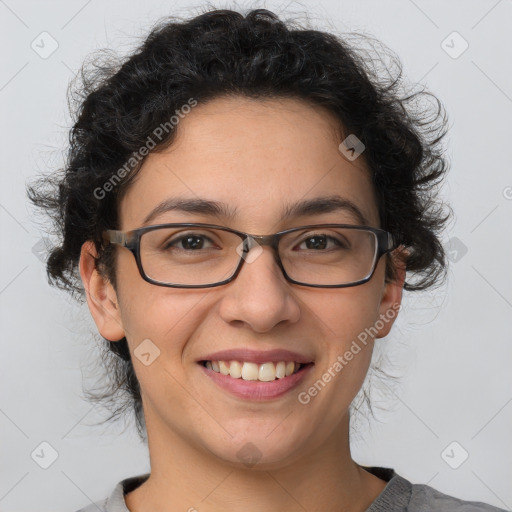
(246, 379)
(265, 372)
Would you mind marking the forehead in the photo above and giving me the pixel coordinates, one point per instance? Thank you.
(257, 157)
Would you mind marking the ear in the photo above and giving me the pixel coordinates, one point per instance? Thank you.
(101, 296)
(392, 294)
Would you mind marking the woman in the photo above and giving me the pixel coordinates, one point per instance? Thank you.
(244, 202)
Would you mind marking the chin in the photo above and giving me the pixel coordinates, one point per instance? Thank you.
(259, 451)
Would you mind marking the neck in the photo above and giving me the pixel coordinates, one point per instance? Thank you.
(186, 478)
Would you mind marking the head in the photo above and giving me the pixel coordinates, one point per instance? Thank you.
(234, 110)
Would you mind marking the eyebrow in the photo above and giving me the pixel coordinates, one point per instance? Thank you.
(316, 206)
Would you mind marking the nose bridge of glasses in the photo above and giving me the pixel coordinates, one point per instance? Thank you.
(261, 240)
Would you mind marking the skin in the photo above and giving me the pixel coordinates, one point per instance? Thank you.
(258, 156)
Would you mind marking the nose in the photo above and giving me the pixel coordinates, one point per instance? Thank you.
(260, 296)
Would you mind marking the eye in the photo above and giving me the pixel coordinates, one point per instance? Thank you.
(319, 242)
(189, 242)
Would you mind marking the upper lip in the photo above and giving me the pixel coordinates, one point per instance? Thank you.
(256, 356)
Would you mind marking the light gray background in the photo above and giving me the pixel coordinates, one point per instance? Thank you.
(453, 347)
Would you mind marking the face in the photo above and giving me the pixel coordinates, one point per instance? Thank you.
(258, 157)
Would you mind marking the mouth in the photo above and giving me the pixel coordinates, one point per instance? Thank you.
(250, 371)
(256, 375)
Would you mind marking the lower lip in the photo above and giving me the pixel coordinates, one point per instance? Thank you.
(255, 389)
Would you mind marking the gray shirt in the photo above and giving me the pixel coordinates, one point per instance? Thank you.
(399, 495)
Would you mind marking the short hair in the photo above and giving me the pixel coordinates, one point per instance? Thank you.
(222, 53)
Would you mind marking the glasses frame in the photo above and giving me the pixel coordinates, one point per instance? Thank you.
(131, 240)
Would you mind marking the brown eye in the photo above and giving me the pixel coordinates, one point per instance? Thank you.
(321, 242)
(189, 242)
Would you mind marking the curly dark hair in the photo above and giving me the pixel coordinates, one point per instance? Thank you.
(117, 104)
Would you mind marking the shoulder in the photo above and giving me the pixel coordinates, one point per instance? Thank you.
(402, 495)
(99, 506)
(94, 507)
(425, 498)
(115, 502)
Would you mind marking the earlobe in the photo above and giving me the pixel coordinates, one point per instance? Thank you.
(392, 295)
(101, 296)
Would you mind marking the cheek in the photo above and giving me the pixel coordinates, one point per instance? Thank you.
(345, 318)
(159, 323)
(159, 314)
(343, 313)
(345, 354)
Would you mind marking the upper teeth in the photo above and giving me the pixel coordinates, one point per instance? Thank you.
(252, 371)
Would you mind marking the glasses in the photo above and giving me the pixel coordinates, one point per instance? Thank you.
(195, 255)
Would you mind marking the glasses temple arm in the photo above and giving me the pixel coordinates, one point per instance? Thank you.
(114, 237)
